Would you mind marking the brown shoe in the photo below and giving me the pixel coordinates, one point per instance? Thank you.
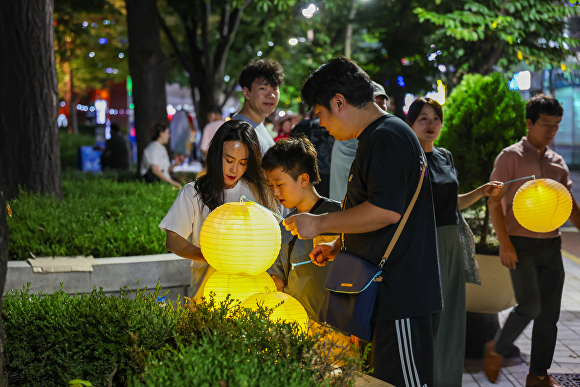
(492, 363)
(547, 381)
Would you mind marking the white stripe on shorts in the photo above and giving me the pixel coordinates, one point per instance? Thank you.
(405, 342)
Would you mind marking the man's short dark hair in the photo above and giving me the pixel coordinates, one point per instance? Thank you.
(296, 155)
(268, 69)
(215, 109)
(543, 104)
(338, 76)
(115, 128)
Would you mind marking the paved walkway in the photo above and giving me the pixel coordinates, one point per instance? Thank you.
(567, 356)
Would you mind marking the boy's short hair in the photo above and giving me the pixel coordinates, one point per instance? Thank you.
(268, 69)
(543, 104)
(296, 155)
(338, 76)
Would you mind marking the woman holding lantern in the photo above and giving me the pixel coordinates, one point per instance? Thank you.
(426, 119)
(233, 170)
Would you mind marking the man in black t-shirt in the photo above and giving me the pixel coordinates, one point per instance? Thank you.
(383, 178)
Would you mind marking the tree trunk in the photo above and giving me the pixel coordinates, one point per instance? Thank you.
(29, 150)
(3, 266)
(203, 100)
(73, 125)
(149, 69)
(74, 121)
(348, 33)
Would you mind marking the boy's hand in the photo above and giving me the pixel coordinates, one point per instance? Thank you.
(280, 284)
(305, 225)
(325, 252)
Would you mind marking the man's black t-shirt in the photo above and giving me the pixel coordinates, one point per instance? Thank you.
(386, 172)
(117, 153)
(445, 186)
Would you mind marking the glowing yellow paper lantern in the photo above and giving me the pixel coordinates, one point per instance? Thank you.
(542, 205)
(240, 238)
(239, 286)
(290, 310)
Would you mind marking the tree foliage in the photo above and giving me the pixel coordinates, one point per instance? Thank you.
(396, 53)
(79, 25)
(209, 42)
(479, 36)
(201, 35)
(90, 46)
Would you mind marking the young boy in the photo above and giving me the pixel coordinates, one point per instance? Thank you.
(292, 172)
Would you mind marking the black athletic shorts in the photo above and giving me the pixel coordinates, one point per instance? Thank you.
(402, 351)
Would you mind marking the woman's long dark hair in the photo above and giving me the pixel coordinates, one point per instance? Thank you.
(211, 186)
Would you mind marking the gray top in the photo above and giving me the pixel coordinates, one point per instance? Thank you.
(266, 141)
(343, 153)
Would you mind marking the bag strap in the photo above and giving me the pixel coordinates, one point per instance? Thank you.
(407, 213)
(448, 157)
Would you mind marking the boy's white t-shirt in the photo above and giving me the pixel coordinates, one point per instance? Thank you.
(187, 214)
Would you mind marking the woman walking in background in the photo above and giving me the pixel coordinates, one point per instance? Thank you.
(426, 119)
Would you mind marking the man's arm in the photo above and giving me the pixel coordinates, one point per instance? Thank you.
(507, 252)
(180, 246)
(365, 217)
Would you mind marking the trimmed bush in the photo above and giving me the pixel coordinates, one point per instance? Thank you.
(481, 117)
(225, 343)
(53, 339)
(217, 361)
(98, 216)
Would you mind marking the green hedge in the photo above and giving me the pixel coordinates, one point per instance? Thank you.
(98, 216)
(57, 338)
(225, 361)
(481, 117)
(239, 347)
(53, 339)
